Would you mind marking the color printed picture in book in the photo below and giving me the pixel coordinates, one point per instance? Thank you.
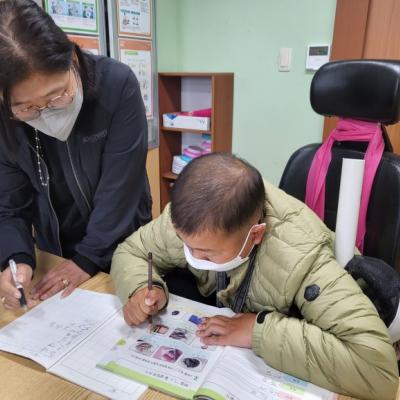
(168, 349)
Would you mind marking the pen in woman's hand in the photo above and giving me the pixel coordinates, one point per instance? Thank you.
(22, 299)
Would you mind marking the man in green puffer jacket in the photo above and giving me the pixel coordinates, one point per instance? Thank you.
(226, 225)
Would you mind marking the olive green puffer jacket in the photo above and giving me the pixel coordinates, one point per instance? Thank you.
(340, 344)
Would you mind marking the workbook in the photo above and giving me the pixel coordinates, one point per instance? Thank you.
(70, 336)
(168, 356)
(83, 338)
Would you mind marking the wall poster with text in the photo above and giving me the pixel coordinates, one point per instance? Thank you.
(134, 18)
(74, 15)
(137, 55)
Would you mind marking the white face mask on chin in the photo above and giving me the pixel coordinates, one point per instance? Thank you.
(59, 123)
(198, 263)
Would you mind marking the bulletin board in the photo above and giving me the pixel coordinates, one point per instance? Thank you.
(136, 47)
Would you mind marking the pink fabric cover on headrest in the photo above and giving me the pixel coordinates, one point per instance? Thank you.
(346, 130)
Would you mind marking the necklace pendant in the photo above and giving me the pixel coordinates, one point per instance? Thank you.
(38, 157)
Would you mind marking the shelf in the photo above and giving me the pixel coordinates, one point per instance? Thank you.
(180, 130)
(199, 89)
(170, 176)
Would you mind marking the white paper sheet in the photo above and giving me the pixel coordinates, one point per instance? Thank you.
(69, 336)
(50, 330)
(241, 375)
(80, 365)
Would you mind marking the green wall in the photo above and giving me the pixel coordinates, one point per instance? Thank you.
(272, 113)
(168, 35)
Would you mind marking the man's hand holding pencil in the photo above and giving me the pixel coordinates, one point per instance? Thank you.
(146, 302)
(143, 304)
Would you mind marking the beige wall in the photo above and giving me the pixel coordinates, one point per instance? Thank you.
(153, 171)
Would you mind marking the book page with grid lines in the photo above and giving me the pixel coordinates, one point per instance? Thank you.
(54, 327)
(80, 365)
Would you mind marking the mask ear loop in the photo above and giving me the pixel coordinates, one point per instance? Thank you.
(78, 80)
(247, 238)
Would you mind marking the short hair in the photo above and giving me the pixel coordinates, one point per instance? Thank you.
(218, 191)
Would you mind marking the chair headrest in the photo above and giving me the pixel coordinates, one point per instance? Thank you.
(367, 90)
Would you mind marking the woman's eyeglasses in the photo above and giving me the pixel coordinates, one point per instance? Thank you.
(57, 103)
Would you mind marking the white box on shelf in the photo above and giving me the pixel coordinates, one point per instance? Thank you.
(174, 120)
(178, 164)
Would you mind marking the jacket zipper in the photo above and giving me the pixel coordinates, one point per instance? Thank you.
(52, 209)
(50, 202)
(76, 178)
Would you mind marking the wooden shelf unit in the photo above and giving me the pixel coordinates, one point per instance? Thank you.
(170, 100)
(170, 176)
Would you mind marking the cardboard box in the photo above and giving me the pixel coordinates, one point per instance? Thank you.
(175, 120)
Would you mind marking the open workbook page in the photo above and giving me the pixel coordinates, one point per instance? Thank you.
(79, 366)
(56, 326)
(167, 355)
(241, 375)
(51, 333)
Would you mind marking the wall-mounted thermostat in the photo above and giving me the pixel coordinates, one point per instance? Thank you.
(317, 56)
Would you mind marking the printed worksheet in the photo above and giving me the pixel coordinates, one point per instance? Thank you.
(83, 338)
(167, 354)
(54, 327)
(68, 337)
(240, 375)
(79, 366)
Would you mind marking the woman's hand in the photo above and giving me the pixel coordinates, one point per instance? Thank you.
(65, 276)
(219, 330)
(9, 294)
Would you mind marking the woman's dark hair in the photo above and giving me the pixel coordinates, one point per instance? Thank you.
(31, 42)
(218, 191)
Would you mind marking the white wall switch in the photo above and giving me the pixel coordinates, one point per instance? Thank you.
(285, 59)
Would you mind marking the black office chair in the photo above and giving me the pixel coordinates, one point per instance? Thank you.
(367, 90)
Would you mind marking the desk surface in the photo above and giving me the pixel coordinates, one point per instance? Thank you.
(21, 378)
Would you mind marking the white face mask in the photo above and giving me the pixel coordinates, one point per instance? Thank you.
(59, 123)
(198, 263)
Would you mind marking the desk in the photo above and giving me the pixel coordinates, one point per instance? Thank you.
(23, 379)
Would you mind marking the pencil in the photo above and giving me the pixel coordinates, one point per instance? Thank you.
(150, 278)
